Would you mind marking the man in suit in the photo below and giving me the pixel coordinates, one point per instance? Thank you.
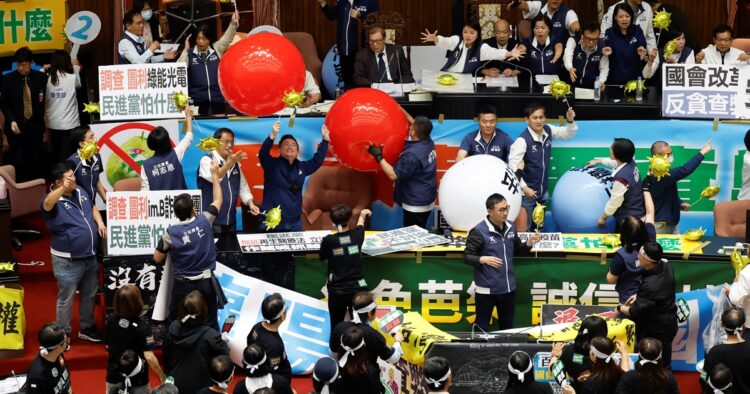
(381, 62)
(23, 107)
(502, 39)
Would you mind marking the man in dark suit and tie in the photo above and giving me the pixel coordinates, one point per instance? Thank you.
(381, 62)
(23, 107)
(502, 39)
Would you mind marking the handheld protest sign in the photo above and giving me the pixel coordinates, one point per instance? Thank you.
(82, 28)
(392, 322)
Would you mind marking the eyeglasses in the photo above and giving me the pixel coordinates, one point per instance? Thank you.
(504, 209)
(376, 41)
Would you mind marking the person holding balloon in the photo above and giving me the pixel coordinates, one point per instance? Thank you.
(626, 197)
(167, 158)
(415, 173)
(534, 147)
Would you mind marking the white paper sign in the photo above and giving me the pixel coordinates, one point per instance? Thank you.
(550, 242)
(301, 241)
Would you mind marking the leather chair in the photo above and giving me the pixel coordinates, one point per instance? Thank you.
(24, 199)
(127, 185)
(330, 186)
(742, 44)
(306, 45)
(729, 218)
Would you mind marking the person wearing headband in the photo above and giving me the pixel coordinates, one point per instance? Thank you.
(357, 374)
(325, 376)
(649, 375)
(343, 251)
(48, 373)
(221, 372)
(126, 330)
(130, 367)
(521, 376)
(437, 375)
(259, 374)
(734, 353)
(574, 356)
(190, 345)
(653, 307)
(719, 381)
(265, 334)
(605, 372)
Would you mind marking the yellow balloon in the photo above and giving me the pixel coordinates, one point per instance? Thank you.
(632, 86)
(559, 89)
(710, 192)
(659, 166)
(273, 217)
(181, 100)
(293, 98)
(92, 107)
(662, 20)
(739, 262)
(88, 150)
(610, 240)
(669, 48)
(538, 215)
(447, 80)
(208, 144)
(694, 234)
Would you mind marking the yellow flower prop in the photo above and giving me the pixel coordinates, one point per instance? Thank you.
(659, 166)
(610, 240)
(694, 234)
(538, 215)
(208, 144)
(632, 86)
(6, 267)
(710, 192)
(91, 107)
(662, 19)
(559, 89)
(447, 80)
(293, 98)
(181, 100)
(739, 262)
(89, 149)
(669, 48)
(273, 217)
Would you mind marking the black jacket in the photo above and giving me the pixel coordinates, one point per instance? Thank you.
(187, 355)
(366, 66)
(12, 99)
(654, 311)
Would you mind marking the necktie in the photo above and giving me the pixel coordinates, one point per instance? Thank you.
(381, 68)
(28, 112)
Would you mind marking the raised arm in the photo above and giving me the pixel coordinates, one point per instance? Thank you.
(218, 197)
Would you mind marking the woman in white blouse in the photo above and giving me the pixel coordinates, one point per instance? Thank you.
(61, 103)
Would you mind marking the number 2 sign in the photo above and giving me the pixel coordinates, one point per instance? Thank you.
(82, 28)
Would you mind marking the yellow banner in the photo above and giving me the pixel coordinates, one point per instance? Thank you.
(617, 329)
(12, 318)
(38, 24)
(419, 335)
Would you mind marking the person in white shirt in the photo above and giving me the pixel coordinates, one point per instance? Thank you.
(566, 20)
(311, 91)
(584, 58)
(437, 375)
(61, 105)
(722, 52)
(132, 49)
(682, 54)
(644, 17)
(745, 189)
(739, 294)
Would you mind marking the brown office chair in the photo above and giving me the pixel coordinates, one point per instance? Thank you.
(306, 45)
(127, 185)
(394, 24)
(330, 186)
(729, 218)
(24, 199)
(742, 44)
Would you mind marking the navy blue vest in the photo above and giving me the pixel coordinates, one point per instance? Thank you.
(87, 174)
(193, 249)
(140, 48)
(536, 161)
(499, 280)
(633, 204)
(164, 172)
(559, 31)
(72, 227)
(419, 190)
(587, 65)
(539, 59)
(204, 78)
(630, 279)
(473, 60)
(230, 189)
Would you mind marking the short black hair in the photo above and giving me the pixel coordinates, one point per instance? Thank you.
(221, 368)
(271, 307)
(183, 206)
(207, 32)
(520, 360)
(474, 24)
(253, 354)
(23, 55)
(50, 335)
(58, 170)
(732, 319)
(623, 150)
(158, 140)
(592, 326)
(633, 234)
(221, 131)
(624, 7)
(78, 135)
(653, 250)
(288, 137)
(747, 140)
(591, 27)
(486, 109)
(542, 18)
(720, 376)
(723, 28)
(423, 127)
(340, 214)
(493, 200)
(138, 5)
(127, 19)
(435, 368)
(128, 362)
(533, 107)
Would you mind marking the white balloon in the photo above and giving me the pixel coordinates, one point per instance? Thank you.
(265, 29)
(465, 187)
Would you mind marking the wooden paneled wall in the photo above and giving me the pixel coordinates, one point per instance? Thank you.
(305, 15)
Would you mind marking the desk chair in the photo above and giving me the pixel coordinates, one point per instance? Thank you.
(24, 199)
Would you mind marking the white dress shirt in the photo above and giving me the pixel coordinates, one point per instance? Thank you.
(204, 171)
(127, 50)
(518, 149)
(486, 52)
(713, 56)
(570, 48)
(739, 291)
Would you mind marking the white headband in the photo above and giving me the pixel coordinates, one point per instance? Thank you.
(225, 384)
(436, 382)
(606, 357)
(718, 391)
(520, 374)
(364, 309)
(325, 389)
(134, 372)
(45, 350)
(736, 332)
(188, 317)
(254, 367)
(281, 312)
(647, 257)
(348, 351)
(644, 360)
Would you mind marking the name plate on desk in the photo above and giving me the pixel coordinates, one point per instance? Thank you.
(300, 241)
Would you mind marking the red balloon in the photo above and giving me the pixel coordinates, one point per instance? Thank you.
(256, 72)
(365, 116)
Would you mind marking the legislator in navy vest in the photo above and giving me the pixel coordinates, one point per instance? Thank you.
(419, 190)
(473, 60)
(87, 173)
(559, 31)
(203, 72)
(633, 204)
(500, 280)
(193, 250)
(540, 59)
(587, 64)
(536, 161)
(230, 189)
(74, 232)
(139, 47)
(630, 279)
(164, 172)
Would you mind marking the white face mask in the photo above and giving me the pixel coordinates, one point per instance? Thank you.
(147, 14)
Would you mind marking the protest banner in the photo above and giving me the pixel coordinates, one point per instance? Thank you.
(301, 241)
(37, 24)
(705, 91)
(400, 239)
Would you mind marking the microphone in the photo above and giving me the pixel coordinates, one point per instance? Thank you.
(531, 75)
(474, 74)
(398, 64)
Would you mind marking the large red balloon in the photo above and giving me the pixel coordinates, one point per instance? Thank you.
(365, 116)
(256, 72)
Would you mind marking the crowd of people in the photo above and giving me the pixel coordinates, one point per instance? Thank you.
(195, 353)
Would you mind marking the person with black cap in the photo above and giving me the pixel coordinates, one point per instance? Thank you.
(259, 375)
(521, 376)
(325, 376)
(48, 373)
(265, 334)
(221, 372)
(437, 375)
(734, 352)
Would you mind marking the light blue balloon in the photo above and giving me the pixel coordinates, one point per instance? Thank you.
(332, 74)
(579, 199)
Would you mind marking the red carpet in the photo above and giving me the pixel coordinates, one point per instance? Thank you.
(86, 360)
